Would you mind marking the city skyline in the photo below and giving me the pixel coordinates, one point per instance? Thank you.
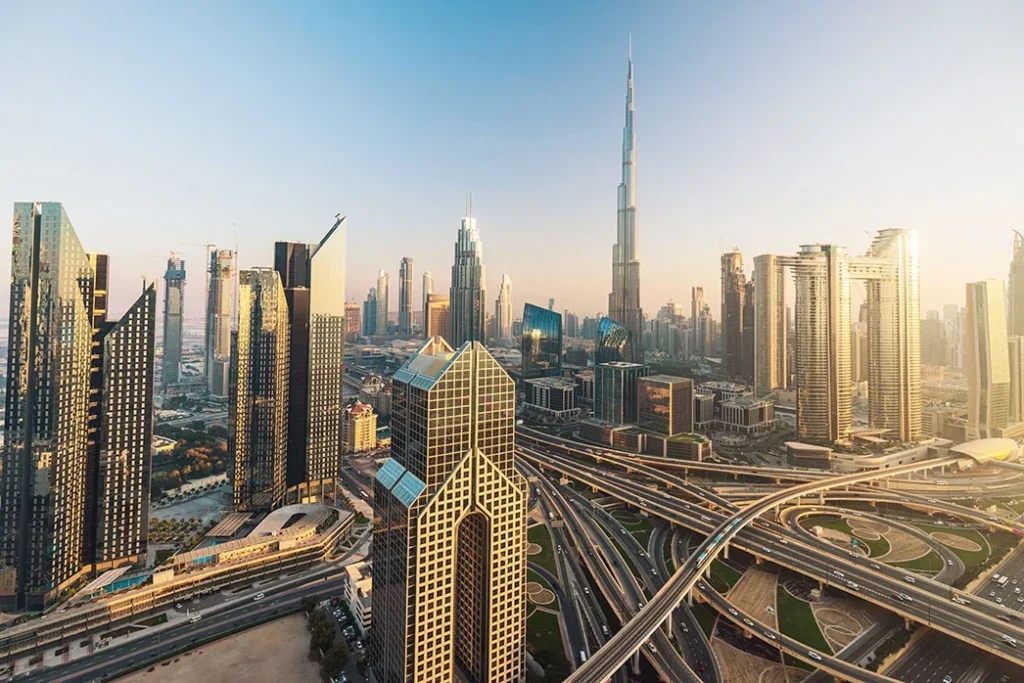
(688, 141)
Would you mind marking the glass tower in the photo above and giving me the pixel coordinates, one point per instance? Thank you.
(174, 312)
(541, 342)
(405, 296)
(616, 397)
(220, 303)
(614, 342)
(988, 360)
(449, 528)
(467, 295)
(43, 467)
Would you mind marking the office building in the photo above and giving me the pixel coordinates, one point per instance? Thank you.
(746, 414)
(859, 354)
(1015, 311)
(696, 309)
(541, 342)
(220, 305)
(987, 360)
(571, 324)
(614, 343)
(42, 502)
(589, 327)
(353, 321)
(734, 288)
(313, 280)
(467, 297)
(933, 341)
(665, 404)
(437, 316)
(624, 300)
(405, 297)
(100, 265)
(1016, 348)
(428, 289)
(770, 330)
(259, 402)
(615, 391)
(954, 318)
(553, 397)
(383, 296)
(359, 427)
(174, 313)
(370, 313)
(449, 546)
(125, 453)
(503, 309)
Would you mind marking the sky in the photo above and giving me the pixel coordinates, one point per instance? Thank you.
(760, 125)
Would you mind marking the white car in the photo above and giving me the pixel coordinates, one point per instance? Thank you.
(814, 655)
(770, 635)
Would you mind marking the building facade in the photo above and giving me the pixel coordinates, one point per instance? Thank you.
(220, 309)
(174, 313)
(614, 343)
(734, 287)
(552, 396)
(503, 309)
(370, 313)
(258, 446)
(615, 391)
(359, 426)
(353, 321)
(438, 316)
(770, 328)
(450, 525)
(468, 296)
(405, 296)
(541, 342)
(1016, 352)
(383, 296)
(428, 289)
(987, 360)
(665, 404)
(1015, 310)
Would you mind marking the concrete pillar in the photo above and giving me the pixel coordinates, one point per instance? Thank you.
(725, 552)
(689, 597)
(636, 663)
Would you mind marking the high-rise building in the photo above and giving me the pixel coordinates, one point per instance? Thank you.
(450, 525)
(1016, 345)
(770, 331)
(589, 328)
(125, 454)
(934, 345)
(353, 321)
(615, 391)
(468, 296)
(359, 426)
(551, 304)
(428, 289)
(987, 360)
(100, 264)
(313, 279)
(705, 332)
(614, 343)
(258, 446)
(1015, 311)
(438, 316)
(541, 343)
(174, 313)
(734, 285)
(503, 309)
(43, 470)
(665, 404)
(696, 308)
(748, 333)
(572, 324)
(370, 313)
(220, 305)
(624, 300)
(954, 318)
(405, 296)
(383, 296)
(859, 352)
(892, 275)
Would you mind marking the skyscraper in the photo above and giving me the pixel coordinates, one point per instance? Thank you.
(383, 295)
(616, 398)
(220, 303)
(259, 400)
(353, 321)
(370, 313)
(43, 470)
(665, 404)
(450, 525)
(100, 264)
(1016, 349)
(624, 300)
(428, 289)
(614, 342)
(748, 333)
(696, 308)
(405, 296)
(174, 312)
(987, 363)
(770, 329)
(438, 317)
(1016, 307)
(468, 307)
(503, 309)
(125, 456)
(541, 343)
(733, 293)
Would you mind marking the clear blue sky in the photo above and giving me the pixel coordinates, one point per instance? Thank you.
(760, 125)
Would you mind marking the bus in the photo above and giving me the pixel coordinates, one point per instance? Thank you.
(1002, 580)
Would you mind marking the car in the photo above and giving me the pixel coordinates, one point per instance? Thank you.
(999, 601)
(178, 606)
(770, 636)
(814, 655)
(1011, 642)
(839, 573)
(783, 541)
(747, 621)
(875, 566)
(604, 629)
(1017, 591)
(947, 679)
(259, 596)
(909, 579)
(949, 562)
(766, 550)
(654, 572)
(733, 612)
(650, 646)
(700, 585)
(359, 645)
(195, 618)
(991, 594)
(586, 590)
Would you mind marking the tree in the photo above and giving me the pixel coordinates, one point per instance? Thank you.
(308, 603)
(323, 636)
(218, 431)
(336, 658)
(197, 425)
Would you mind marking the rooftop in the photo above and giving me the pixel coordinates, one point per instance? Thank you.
(983, 450)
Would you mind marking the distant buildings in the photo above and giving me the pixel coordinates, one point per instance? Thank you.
(353, 321)
(571, 324)
(437, 316)
(553, 397)
(615, 391)
(696, 309)
(1016, 345)
(449, 540)
(359, 428)
(220, 305)
(376, 393)
(665, 404)
(174, 311)
(987, 366)
(770, 329)
(614, 343)
(383, 296)
(370, 313)
(734, 291)
(503, 310)
(541, 343)
(405, 297)
(467, 297)
(1015, 310)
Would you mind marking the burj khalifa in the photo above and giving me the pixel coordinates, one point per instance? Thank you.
(624, 301)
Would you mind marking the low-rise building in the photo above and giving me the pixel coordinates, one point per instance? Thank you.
(746, 414)
(552, 396)
(359, 428)
(376, 393)
(359, 593)
(703, 411)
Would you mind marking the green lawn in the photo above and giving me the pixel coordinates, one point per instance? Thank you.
(705, 617)
(537, 578)
(876, 547)
(154, 620)
(723, 576)
(796, 620)
(970, 558)
(930, 563)
(539, 534)
(542, 635)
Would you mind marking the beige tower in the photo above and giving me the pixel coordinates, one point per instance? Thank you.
(450, 525)
(988, 360)
(769, 324)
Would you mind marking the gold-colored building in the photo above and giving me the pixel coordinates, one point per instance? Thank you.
(450, 525)
(437, 316)
(359, 428)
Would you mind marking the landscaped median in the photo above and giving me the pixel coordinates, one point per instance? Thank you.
(539, 536)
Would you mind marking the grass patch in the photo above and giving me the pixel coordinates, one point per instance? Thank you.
(796, 620)
(929, 563)
(545, 640)
(724, 573)
(163, 554)
(705, 616)
(876, 547)
(155, 620)
(539, 534)
(537, 578)
(643, 533)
